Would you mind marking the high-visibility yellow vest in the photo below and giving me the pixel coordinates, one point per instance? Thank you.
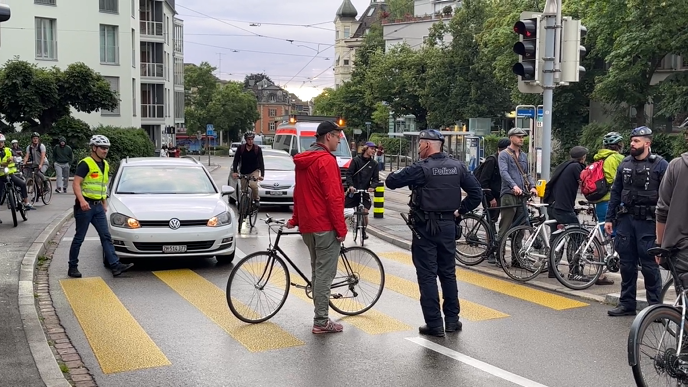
(95, 184)
(6, 156)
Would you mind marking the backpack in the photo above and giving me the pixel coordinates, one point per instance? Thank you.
(593, 183)
(478, 171)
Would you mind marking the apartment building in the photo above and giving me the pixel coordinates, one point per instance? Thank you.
(137, 45)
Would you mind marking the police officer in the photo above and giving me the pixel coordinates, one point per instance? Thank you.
(634, 196)
(436, 182)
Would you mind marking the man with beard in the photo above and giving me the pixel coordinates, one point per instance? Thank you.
(633, 204)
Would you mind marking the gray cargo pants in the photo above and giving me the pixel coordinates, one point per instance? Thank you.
(324, 251)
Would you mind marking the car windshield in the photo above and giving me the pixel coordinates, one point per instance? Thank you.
(342, 149)
(159, 180)
(279, 163)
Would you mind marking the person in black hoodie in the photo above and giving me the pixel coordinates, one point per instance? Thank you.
(490, 178)
(363, 173)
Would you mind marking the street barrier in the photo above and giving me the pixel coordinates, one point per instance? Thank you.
(379, 201)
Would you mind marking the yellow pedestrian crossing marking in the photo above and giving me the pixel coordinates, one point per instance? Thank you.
(116, 338)
(212, 302)
(546, 299)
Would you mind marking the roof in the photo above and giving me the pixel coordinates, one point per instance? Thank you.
(161, 161)
(369, 17)
(347, 10)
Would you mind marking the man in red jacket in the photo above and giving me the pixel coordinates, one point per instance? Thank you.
(319, 213)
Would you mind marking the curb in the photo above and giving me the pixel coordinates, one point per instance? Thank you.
(607, 299)
(38, 343)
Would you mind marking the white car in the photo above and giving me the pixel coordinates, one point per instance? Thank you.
(169, 208)
(277, 187)
(233, 148)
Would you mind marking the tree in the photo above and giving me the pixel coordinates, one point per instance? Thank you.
(233, 109)
(39, 97)
(325, 103)
(400, 8)
(199, 88)
(256, 77)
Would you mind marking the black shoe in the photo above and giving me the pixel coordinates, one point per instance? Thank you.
(437, 332)
(64, 190)
(74, 272)
(106, 264)
(121, 268)
(621, 311)
(453, 327)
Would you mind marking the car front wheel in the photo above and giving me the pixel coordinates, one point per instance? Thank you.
(225, 258)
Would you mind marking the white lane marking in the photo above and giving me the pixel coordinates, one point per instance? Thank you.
(69, 239)
(490, 369)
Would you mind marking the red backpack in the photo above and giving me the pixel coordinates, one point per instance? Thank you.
(593, 183)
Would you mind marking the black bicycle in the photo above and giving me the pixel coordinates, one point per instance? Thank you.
(37, 190)
(357, 286)
(13, 198)
(667, 360)
(357, 219)
(247, 206)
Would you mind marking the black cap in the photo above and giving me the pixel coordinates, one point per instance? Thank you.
(578, 151)
(431, 135)
(503, 143)
(326, 127)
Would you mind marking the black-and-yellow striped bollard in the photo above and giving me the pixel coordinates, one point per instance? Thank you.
(379, 201)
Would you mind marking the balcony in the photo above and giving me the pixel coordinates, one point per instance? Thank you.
(152, 111)
(151, 28)
(153, 70)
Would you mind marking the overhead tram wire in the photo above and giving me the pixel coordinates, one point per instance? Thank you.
(308, 25)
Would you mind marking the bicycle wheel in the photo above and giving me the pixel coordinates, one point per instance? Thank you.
(581, 269)
(658, 362)
(359, 227)
(527, 251)
(668, 295)
(253, 218)
(31, 190)
(243, 209)
(472, 247)
(259, 283)
(20, 205)
(13, 206)
(361, 275)
(47, 192)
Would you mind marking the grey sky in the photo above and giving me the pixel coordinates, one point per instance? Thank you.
(209, 39)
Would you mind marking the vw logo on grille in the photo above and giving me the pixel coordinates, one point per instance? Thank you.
(175, 224)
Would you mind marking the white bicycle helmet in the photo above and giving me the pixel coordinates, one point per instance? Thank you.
(15, 142)
(99, 140)
(2, 137)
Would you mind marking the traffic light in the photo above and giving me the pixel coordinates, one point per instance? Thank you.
(4, 13)
(529, 52)
(572, 52)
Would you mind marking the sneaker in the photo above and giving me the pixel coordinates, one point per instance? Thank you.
(579, 277)
(330, 327)
(58, 190)
(74, 272)
(121, 268)
(64, 190)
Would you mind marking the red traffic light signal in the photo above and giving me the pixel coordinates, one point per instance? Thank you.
(527, 28)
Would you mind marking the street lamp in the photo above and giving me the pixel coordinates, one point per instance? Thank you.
(367, 124)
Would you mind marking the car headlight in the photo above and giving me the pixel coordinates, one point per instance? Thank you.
(223, 219)
(120, 220)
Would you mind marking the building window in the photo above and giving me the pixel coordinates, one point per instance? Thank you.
(109, 6)
(272, 112)
(133, 48)
(114, 86)
(684, 61)
(271, 126)
(167, 30)
(46, 41)
(179, 105)
(336, 35)
(133, 95)
(44, 2)
(272, 98)
(346, 62)
(347, 32)
(109, 51)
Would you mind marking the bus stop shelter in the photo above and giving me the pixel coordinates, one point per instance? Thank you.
(463, 146)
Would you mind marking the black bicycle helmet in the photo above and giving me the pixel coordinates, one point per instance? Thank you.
(35, 134)
(612, 138)
(248, 135)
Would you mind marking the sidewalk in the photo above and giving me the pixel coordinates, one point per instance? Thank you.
(392, 229)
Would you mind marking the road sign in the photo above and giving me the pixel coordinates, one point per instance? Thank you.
(539, 124)
(209, 130)
(528, 112)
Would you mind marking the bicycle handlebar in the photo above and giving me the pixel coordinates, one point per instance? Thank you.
(270, 220)
(249, 177)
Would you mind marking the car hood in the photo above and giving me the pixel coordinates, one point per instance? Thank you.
(165, 207)
(279, 176)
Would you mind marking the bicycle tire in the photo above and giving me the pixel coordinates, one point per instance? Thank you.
(596, 245)
(474, 258)
(359, 227)
(20, 205)
(253, 218)
(13, 206)
(241, 311)
(502, 258)
(649, 319)
(47, 195)
(243, 208)
(366, 271)
(31, 190)
(665, 289)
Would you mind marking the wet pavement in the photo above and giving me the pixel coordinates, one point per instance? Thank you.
(167, 323)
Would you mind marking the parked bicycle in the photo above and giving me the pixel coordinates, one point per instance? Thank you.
(258, 285)
(247, 206)
(667, 360)
(35, 189)
(13, 198)
(357, 218)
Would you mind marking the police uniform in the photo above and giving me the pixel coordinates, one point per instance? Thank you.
(634, 196)
(436, 184)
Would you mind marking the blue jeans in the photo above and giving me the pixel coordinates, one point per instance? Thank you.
(96, 217)
(601, 211)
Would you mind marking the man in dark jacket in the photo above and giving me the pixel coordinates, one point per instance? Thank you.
(319, 213)
(491, 180)
(363, 173)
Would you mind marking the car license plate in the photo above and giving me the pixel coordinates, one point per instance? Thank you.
(276, 193)
(174, 249)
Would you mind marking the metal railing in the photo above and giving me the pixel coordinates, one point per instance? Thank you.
(152, 111)
(151, 28)
(154, 70)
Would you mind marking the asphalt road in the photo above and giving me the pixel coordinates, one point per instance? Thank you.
(16, 362)
(167, 323)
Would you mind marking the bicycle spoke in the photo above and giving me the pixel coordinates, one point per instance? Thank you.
(359, 281)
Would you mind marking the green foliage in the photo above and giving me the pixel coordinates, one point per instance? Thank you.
(663, 145)
(391, 144)
(75, 131)
(38, 97)
(126, 142)
(400, 8)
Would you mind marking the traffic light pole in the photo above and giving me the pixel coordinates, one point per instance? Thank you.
(552, 10)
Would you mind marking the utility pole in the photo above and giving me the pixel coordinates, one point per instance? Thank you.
(219, 68)
(552, 13)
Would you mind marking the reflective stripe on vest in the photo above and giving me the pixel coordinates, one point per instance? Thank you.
(95, 183)
(7, 158)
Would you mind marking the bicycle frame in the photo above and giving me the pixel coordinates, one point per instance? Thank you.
(541, 229)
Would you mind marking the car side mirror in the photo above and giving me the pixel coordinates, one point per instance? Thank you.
(227, 190)
(293, 152)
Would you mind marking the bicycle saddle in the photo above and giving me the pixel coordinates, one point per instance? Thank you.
(658, 251)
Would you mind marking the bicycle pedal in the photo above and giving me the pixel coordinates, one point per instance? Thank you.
(336, 296)
(298, 286)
